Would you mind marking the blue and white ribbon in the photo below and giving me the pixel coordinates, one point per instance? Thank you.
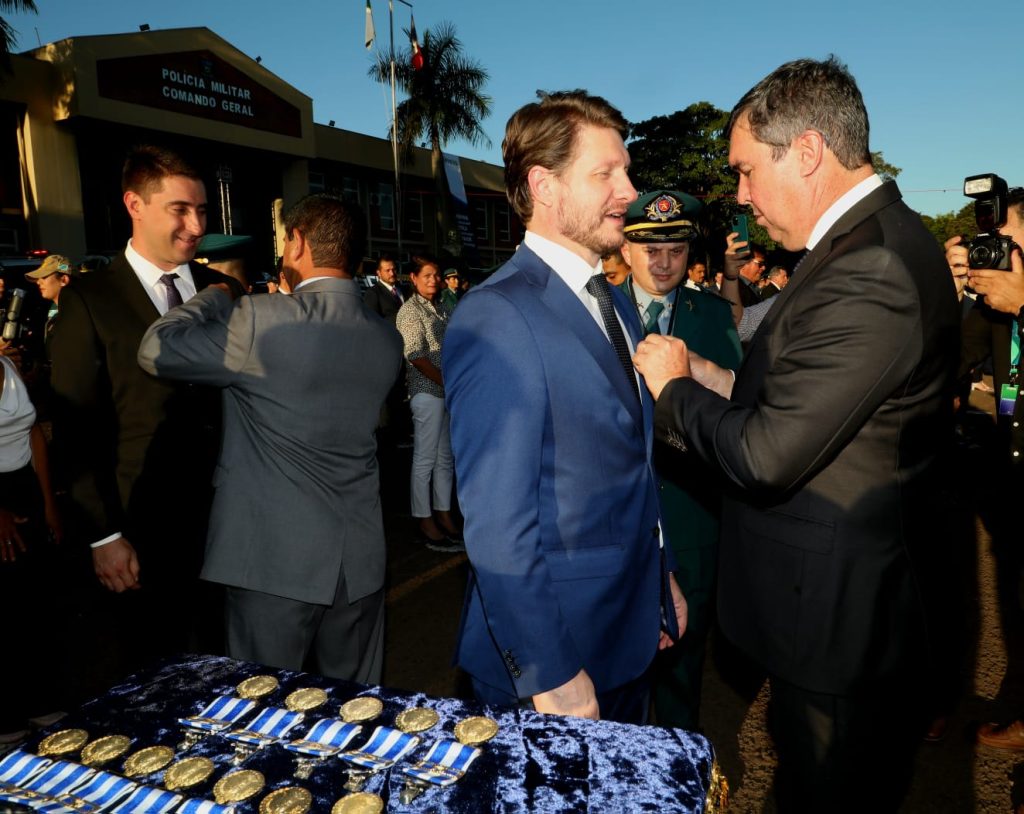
(385, 748)
(13, 795)
(59, 778)
(148, 800)
(18, 767)
(271, 724)
(193, 806)
(219, 714)
(327, 737)
(446, 762)
(104, 789)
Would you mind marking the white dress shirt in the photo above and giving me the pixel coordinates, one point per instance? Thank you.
(149, 275)
(842, 205)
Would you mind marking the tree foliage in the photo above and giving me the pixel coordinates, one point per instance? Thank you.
(445, 97)
(886, 170)
(8, 36)
(945, 226)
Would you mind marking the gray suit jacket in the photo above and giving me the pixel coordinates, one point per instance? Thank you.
(303, 378)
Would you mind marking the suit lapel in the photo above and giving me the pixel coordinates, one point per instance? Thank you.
(132, 290)
(570, 312)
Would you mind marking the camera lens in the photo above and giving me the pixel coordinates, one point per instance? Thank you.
(983, 256)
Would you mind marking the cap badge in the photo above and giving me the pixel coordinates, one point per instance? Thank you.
(663, 208)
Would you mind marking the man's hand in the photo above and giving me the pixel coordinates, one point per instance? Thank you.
(715, 378)
(117, 566)
(10, 539)
(733, 262)
(575, 697)
(956, 256)
(681, 610)
(661, 359)
(1002, 290)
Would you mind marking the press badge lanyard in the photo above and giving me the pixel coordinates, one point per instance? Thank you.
(1008, 392)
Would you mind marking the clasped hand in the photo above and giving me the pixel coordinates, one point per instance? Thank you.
(660, 359)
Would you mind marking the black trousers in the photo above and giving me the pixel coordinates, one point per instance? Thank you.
(842, 753)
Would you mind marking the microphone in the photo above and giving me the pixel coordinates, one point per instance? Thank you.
(11, 327)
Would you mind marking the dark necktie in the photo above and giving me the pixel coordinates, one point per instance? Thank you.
(173, 295)
(651, 317)
(598, 288)
(396, 295)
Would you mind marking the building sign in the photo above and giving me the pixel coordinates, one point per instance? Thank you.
(197, 83)
(460, 202)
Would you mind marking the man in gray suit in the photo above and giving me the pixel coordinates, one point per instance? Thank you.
(295, 531)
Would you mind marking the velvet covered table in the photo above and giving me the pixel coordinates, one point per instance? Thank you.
(536, 763)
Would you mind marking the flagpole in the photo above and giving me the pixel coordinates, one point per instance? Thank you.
(394, 128)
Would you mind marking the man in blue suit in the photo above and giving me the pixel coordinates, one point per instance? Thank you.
(570, 594)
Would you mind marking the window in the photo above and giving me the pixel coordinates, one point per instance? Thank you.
(350, 190)
(414, 210)
(503, 223)
(386, 206)
(480, 223)
(317, 182)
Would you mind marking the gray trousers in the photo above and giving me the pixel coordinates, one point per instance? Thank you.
(344, 640)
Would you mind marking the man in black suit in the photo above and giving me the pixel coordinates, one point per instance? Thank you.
(385, 296)
(750, 275)
(830, 436)
(138, 451)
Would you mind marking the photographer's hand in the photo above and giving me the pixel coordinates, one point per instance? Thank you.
(956, 256)
(1002, 290)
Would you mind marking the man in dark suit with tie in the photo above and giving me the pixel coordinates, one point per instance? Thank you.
(830, 436)
(385, 296)
(138, 452)
(570, 594)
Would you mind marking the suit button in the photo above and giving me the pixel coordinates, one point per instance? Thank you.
(517, 673)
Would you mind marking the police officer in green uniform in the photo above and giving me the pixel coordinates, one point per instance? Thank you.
(659, 228)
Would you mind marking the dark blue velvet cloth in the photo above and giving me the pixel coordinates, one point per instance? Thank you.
(536, 763)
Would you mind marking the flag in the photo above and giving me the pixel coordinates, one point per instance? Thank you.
(417, 53)
(371, 33)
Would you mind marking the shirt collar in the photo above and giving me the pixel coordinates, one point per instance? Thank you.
(573, 269)
(313, 280)
(149, 273)
(842, 205)
(643, 299)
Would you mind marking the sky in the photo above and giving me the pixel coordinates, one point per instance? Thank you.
(943, 82)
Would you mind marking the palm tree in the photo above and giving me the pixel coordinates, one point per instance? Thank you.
(8, 36)
(445, 100)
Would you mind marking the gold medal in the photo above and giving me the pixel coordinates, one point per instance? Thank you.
(416, 719)
(188, 772)
(476, 730)
(63, 743)
(148, 760)
(362, 802)
(238, 786)
(289, 800)
(256, 687)
(305, 699)
(364, 708)
(103, 749)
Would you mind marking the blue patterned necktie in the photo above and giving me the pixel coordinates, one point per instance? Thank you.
(598, 288)
(173, 295)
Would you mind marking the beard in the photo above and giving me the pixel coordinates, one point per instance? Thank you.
(589, 230)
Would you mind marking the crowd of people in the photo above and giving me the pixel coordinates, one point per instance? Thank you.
(642, 451)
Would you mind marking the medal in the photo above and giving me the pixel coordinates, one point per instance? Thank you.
(416, 719)
(476, 730)
(305, 699)
(364, 708)
(188, 772)
(238, 786)
(148, 760)
(289, 800)
(63, 743)
(363, 802)
(103, 749)
(256, 687)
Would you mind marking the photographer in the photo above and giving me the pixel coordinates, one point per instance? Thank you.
(993, 327)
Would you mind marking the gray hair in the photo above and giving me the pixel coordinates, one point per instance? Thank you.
(808, 95)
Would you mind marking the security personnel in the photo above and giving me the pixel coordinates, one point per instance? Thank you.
(659, 228)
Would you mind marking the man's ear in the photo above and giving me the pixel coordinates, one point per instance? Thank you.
(624, 251)
(296, 247)
(542, 183)
(810, 151)
(134, 203)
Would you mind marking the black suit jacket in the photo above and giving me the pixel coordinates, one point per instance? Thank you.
(831, 438)
(381, 301)
(137, 451)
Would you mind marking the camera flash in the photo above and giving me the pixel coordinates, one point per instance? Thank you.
(978, 185)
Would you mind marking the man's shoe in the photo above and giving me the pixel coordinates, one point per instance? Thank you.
(1008, 738)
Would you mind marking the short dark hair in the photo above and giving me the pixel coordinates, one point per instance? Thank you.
(808, 95)
(545, 133)
(756, 248)
(386, 257)
(1015, 200)
(419, 261)
(334, 228)
(147, 165)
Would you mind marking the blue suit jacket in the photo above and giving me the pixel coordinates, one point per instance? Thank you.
(552, 452)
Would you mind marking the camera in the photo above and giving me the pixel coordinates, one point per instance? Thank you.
(989, 250)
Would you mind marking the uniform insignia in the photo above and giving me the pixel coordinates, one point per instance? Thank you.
(663, 208)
